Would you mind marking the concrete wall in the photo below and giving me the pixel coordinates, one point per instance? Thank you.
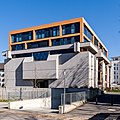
(28, 104)
(14, 74)
(40, 70)
(68, 108)
(77, 69)
(74, 71)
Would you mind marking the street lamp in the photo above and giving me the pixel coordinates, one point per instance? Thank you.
(64, 93)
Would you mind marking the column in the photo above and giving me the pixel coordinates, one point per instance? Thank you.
(103, 75)
(61, 30)
(81, 30)
(108, 73)
(96, 73)
(91, 71)
(34, 35)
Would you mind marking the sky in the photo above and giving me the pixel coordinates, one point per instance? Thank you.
(102, 15)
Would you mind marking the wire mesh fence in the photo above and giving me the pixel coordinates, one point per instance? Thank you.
(28, 94)
(72, 97)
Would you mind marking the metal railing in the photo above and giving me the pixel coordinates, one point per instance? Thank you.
(73, 97)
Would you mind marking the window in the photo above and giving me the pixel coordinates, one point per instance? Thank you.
(47, 32)
(22, 55)
(104, 52)
(18, 47)
(100, 46)
(22, 37)
(38, 44)
(71, 28)
(96, 42)
(117, 67)
(85, 40)
(64, 41)
(115, 64)
(40, 56)
(114, 68)
(87, 33)
(64, 51)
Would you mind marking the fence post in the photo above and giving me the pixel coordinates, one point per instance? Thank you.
(8, 96)
(61, 100)
(20, 93)
(70, 98)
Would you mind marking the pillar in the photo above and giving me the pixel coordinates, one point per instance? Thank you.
(103, 74)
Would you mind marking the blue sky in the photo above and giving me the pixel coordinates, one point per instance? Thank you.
(102, 15)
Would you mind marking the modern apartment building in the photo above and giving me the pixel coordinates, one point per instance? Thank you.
(115, 71)
(66, 53)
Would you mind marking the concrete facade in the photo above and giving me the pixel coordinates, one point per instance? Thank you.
(68, 64)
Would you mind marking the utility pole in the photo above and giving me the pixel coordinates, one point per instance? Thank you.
(35, 76)
(64, 92)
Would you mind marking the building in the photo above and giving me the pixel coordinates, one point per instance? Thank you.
(2, 75)
(115, 71)
(57, 55)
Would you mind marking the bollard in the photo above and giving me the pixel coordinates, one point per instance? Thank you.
(60, 109)
(96, 100)
(111, 100)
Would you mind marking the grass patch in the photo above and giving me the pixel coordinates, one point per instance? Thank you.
(4, 100)
(114, 90)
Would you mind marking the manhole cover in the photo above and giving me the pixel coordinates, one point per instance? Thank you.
(112, 110)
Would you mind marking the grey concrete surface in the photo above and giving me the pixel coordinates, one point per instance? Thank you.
(89, 111)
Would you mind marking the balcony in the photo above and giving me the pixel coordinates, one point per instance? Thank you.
(89, 46)
(101, 56)
(61, 47)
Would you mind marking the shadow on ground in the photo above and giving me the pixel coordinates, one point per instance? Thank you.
(106, 116)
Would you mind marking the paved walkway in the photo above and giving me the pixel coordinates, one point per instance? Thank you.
(91, 111)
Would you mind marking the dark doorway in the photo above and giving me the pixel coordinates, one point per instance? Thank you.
(41, 83)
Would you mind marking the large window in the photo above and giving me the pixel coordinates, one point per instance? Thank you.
(18, 47)
(65, 41)
(40, 56)
(38, 44)
(87, 33)
(22, 36)
(47, 32)
(71, 28)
